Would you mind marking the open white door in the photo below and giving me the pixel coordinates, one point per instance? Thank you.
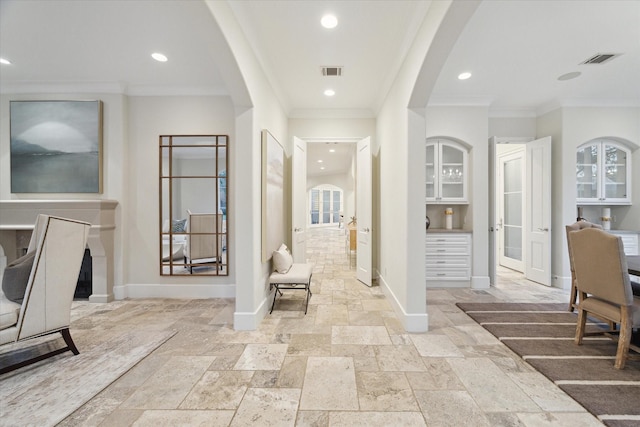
(492, 210)
(510, 199)
(538, 212)
(299, 200)
(363, 211)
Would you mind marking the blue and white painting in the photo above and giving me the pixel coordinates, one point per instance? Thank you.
(56, 146)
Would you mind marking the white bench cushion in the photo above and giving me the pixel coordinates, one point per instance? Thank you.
(9, 312)
(297, 274)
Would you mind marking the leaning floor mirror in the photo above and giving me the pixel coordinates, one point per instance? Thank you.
(193, 205)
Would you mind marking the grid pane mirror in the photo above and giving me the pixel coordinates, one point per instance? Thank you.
(193, 205)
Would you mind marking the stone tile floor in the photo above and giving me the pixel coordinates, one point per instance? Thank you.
(348, 362)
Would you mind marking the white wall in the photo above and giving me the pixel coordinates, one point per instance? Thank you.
(256, 107)
(344, 182)
(570, 127)
(512, 126)
(115, 172)
(470, 126)
(150, 117)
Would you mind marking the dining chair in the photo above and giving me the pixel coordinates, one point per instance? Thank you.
(603, 281)
(574, 290)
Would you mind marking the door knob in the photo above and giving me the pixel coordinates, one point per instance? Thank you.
(296, 230)
(543, 229)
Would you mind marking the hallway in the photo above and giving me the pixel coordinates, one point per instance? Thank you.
(348, 362)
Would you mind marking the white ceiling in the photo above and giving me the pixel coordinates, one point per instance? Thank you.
(515, 50)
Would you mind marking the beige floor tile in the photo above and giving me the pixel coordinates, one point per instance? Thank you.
(268, 407)
(166, 388)
(184, 418)
(368, 419)
(329, 384)
(218, 390)
(309, 345)
(385, 391)
(374, 335)
(399, 358)
(451, 408)
(261, 357)
(432, 345)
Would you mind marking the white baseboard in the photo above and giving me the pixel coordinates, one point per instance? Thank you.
(174, 291)
(480, 282)
(561, 282)
(249, 321)
(411, 322)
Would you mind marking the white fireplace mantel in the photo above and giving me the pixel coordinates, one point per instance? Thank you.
(21, 215)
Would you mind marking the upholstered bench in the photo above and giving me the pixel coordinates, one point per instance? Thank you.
(289, 275)
(298, 277)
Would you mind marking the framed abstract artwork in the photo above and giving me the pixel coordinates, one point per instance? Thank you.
(272, 195)
(56, 146)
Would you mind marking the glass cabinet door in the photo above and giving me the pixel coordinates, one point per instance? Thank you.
(587, 172)
(452, 174)
(430, 176)
(603, 173)
(445, 172)
(614, 173)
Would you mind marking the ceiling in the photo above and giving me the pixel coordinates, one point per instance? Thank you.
(515, 50)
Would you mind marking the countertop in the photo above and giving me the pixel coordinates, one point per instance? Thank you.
(444, 230)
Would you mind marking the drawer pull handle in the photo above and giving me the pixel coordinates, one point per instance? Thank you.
(441, 240)
(440, 250)
(441, 262)
(441, 274)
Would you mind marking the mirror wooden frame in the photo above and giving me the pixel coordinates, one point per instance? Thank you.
(193, 222)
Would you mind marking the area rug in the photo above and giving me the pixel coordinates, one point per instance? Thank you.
(542, 334)
(45, 393)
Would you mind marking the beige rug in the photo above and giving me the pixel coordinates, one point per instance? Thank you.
(542, 334)
(45, 393)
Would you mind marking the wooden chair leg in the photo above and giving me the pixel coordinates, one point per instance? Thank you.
(580, 326)
(69, 341)
(573, 297)
(624, 339)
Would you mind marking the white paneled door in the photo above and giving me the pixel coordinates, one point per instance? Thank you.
(299, 200)
(363, 211)
(538, 211)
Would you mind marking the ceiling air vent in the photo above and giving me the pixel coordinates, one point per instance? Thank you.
(600, 58)
(332, 71)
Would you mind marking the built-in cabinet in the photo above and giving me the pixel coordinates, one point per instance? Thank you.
(448, 259)
(446, 172)
(603, 173)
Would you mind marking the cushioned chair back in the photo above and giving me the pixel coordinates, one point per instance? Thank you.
(600, 265)
(209, 243)
(59, 244)
(575, 227)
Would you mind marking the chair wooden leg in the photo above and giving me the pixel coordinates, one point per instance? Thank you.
(624, 339)
(573, 296)
(69, 341)
(580, 326)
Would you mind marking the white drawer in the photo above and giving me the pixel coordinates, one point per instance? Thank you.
(454, 274)
(436, 262)
(451, 239)
(447, 250)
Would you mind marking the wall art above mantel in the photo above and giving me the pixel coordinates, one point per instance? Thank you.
(56, 146)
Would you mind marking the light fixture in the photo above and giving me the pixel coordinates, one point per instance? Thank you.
(332, 150)
(569, 76)
(5, 61)
(329, 21)
(319, 161)
(159, 57)
(329, 92)
(321, 168)
(464, 76)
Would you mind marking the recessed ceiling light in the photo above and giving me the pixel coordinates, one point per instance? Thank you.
(464, 76)
(5, 61)
(332, 150)
(329, 92)
(319, 161)
(321, 168)
(329, 21)
(569, 76)
(159, 57)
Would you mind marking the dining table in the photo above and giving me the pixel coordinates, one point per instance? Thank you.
(633, 264)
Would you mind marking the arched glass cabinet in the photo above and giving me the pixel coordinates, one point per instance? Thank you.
(193, 205)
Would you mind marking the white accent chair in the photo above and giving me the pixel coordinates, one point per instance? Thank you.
(59, 245)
